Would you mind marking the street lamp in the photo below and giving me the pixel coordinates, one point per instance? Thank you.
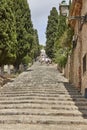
(64, 8)
(83, 18)
(64, 11)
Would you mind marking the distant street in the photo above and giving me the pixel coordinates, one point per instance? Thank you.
(42, 99)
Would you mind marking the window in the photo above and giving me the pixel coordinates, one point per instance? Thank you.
(84, 64)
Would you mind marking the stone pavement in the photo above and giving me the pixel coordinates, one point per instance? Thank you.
(42, 99)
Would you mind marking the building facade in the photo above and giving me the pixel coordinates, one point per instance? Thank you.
(76, 67)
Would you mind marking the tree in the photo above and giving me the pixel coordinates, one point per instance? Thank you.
(51, 32)
(70, 3)
(7, 32)
(63, 46)
(62, 26)
(24, 29)
(36, 48)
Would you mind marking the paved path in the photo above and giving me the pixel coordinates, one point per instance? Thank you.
(42, 99)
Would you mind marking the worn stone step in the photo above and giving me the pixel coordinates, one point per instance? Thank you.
(43, 102)
(14, 103)
(45, 112)
(63, 98)
(38, 87)
(44, 85)
(48, 92)
(38, 90)
(16, 85)
(72, 108)
(46, 120)
(39, 94)
(42, 91)
(42, 127)
(42, 97)
(41, 106)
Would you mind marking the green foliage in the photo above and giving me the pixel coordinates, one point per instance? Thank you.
(24, 29)
(65, 39)
(27, 59)
(51, 32)
(41, 47)
(7, 32)
(63, 45)
(18, 39)
(70, 3)
(61, 57)
(36, 48)
(62, 26)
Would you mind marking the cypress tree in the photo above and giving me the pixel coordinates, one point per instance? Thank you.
(36, 44)
(7, 33)
(51, 32)
(24, 29)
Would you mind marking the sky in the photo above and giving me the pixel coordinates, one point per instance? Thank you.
(40, 10)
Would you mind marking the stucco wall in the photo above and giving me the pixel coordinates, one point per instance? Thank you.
(72, 67)
(84, 47)
(76, 65)
(67, 68)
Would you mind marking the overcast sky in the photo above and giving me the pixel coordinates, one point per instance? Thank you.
(40, 9)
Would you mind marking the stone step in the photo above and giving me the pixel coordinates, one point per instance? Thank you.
(49, 93)
(42, 95)
(35, 98)
(50, 96)
(41, 91)
(22, 103)
(44, 85)
(64, 98)
(38, 91)
(38, 95)
(42, 106)
(42, 98)
(44, 102)
(39, 86)
(42, 127)
(45, 112)
(40, 119)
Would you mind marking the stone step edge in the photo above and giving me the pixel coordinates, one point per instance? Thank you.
(42, 98)
(38, 122)
(41, 95)
(45, 114)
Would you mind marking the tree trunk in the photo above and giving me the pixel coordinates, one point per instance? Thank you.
(2, 70)
(9, 71)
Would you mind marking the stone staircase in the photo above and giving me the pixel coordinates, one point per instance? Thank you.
(42, 99)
